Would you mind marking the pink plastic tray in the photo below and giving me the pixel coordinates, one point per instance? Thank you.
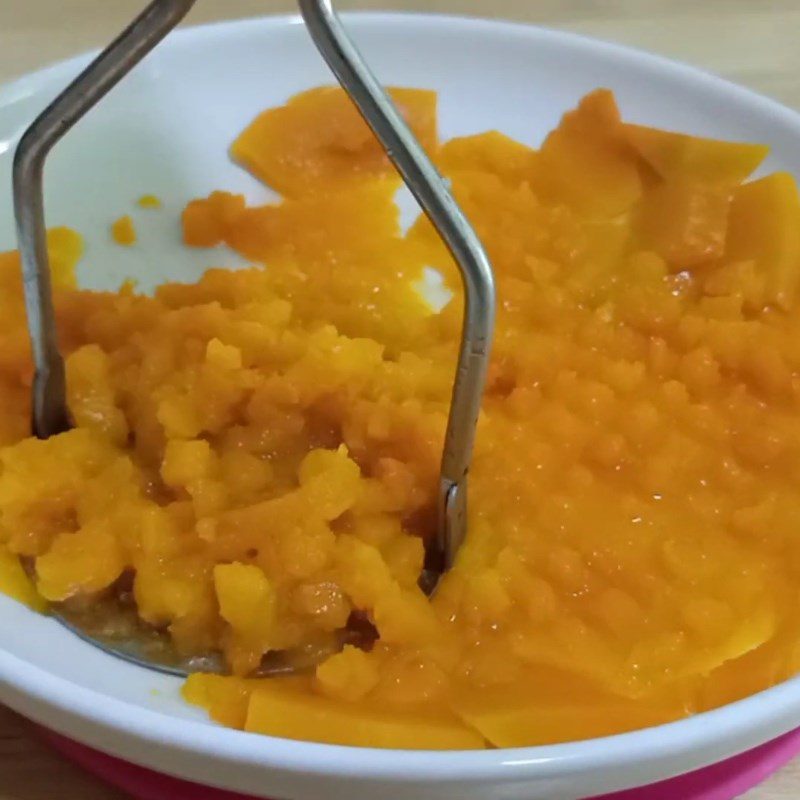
(724, 781)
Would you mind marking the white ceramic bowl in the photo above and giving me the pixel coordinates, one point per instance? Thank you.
(166, 131)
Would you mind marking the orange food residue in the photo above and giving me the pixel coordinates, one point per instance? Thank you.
(123, 231)
(149, 201)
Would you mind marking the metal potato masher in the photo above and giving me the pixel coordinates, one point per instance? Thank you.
(49, 406)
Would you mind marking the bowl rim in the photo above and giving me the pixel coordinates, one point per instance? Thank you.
(698, 740)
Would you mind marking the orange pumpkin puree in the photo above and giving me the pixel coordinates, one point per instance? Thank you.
(149, 201)
(123, 231)
(259, 450)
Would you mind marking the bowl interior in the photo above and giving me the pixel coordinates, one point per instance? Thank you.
(166, 131)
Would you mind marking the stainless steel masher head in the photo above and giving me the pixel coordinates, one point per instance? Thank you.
(50, 415)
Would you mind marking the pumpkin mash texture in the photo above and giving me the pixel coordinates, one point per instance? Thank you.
(256, 454)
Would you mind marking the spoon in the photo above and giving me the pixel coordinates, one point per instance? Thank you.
(50, 414)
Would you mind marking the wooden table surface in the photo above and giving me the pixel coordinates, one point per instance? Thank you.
(751, 41)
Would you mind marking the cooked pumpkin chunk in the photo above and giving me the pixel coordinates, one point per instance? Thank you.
(278, 711)
(318, 140)
(676, 156)
(763, 228)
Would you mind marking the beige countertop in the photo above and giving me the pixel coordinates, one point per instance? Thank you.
(753, 42)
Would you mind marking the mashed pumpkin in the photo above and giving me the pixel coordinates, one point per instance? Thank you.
(254, 456)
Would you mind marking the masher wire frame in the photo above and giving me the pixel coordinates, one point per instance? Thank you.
(50, 414)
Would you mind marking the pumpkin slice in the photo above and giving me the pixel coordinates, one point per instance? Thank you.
(686, 223)
(318, 140)
(586, 163)
(280, 710)
(710, 161)
(763, 227)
